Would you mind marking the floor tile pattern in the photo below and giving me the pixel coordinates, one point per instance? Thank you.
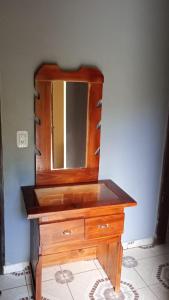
(103, 289)
(129, 262)
(64, 276)
(163, 275)
(146, 246)
(145, 276)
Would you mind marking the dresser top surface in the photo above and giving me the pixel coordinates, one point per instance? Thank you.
(80, 195)
(40, 201)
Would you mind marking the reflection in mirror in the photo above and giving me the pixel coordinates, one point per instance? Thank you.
(69, 123)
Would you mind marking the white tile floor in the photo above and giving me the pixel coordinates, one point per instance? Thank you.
(145, 276)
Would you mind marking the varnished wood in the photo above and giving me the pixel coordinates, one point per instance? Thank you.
(72, 193)
(61, 231)
(87, 213)
(80, 208)
(83, 195)
(48, 72)
(53, 177)
(74, 245)
(38, 280)
(97, 203)
(94, 117)
(45, 175)
(43, 111)
(113, 270)
(104, 226)
(109, 255)
(34, 245)
(73, 255)
(73, 215)
(102, 254)
(92, 205)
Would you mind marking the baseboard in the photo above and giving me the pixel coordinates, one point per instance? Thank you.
(138, 243)
(15, 267)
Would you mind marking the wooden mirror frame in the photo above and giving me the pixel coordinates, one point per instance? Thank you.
(44, 76)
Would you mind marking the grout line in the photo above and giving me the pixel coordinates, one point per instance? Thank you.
(147, 287)
(84, 271)
(51, 279)
(141, 277)
(12, 288)
(152, 256)
(153, 291)
(98, 267)
(67, 284)
(28, 290)
(103, 277)
(29, 284)
(147, 257)
(26, 278)
(32, 294)
(70, 290)
(81, 271)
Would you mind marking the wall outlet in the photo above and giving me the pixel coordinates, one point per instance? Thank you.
(22, 139)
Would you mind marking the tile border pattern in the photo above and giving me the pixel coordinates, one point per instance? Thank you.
(27, 298)
(161, 278)
(121, 295)
(18, 274)
(146, 247)
(25, 271)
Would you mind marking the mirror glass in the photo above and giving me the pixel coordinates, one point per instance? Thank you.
(69, 124)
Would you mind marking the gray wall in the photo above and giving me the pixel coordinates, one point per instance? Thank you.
(128, 41)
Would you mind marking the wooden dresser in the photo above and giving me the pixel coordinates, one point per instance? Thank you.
(73, 215)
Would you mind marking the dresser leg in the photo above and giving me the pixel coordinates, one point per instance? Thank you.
(38, 280)
(110, 257)
(114, 263)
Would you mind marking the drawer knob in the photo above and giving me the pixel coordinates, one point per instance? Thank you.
(67, 232)
(103, 226)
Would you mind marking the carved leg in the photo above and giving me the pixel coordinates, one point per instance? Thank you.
(110, 257)
(38, 280)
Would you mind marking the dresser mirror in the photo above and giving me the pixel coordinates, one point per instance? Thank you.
(67, 124)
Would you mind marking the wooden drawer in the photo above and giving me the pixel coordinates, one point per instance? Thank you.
(61, 232)
(104, 226)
